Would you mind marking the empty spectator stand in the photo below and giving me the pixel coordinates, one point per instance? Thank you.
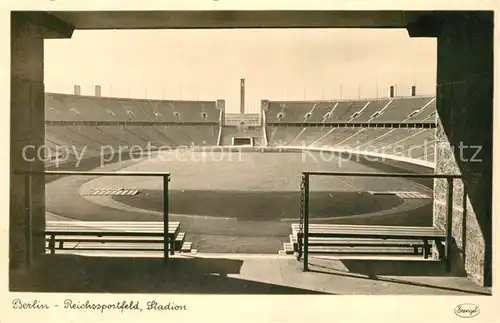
(403, 109)
(68, 107)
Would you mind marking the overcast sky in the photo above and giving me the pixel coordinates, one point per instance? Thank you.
(292, 64)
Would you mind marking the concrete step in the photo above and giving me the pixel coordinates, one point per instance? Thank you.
(179, 241)
(186, 247)
(288, 248)
(282, 253)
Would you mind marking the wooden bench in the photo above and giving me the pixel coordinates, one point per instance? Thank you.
(335, 238)
(118, 235)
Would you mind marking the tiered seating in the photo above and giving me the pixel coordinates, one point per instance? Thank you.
(412, 109)
(279, 136)
(345, 110)
(334, 136)
(416, 143)
(427, 114)
(360, 136)
(423, 151)
(401, 109)
(64, 107)
(320, 112)
(71, 108)
(55, 109)
(371, 109)
(288, 111)
(379, 140)
(309, 135)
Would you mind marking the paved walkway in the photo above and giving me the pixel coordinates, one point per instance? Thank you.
(239, 274)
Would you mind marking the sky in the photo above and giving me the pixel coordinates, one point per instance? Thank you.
(277, 64)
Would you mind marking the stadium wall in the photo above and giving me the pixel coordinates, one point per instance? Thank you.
(464, 133)
(27, 128)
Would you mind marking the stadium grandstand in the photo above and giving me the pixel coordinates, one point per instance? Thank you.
(406, 123)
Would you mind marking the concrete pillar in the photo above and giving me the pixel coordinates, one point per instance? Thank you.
(464, 132)
(28, 129)
(465, 135)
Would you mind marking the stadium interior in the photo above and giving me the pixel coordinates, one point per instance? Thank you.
(233, 184)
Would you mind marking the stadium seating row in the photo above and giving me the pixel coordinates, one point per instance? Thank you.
(64, 107)
(95, 137)
(412, 142)
(412, 109)
(408, 142)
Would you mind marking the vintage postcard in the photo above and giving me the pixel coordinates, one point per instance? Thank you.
(224, 161)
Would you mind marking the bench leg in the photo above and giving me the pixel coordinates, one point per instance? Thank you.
(299, 243)
(52, 244)
(426, 249)
(172, 246)
(442, 255)
(440, 249)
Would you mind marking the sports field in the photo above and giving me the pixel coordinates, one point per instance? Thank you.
(241, 202)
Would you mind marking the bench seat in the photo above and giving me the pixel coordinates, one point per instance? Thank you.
(372, 231)
(366, 250)
(320, 241)
(117, 235)
(341, 238)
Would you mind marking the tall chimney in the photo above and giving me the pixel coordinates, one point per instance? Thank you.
(77, 90)
(391, 91)
(97, 91)
(413, 90)
(242, 96)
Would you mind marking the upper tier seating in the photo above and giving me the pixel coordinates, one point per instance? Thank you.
(411, 109)
(64, 107)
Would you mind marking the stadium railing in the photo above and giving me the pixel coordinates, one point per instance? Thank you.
(29, 174)
(386, 232)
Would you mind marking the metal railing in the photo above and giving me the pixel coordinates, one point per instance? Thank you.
(304, 205)
(28, 174)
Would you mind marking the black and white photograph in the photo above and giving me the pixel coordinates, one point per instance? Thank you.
(245, 152)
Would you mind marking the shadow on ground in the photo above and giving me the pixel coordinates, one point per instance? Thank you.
(407, 274)
(78, 274)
